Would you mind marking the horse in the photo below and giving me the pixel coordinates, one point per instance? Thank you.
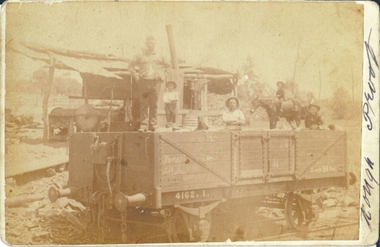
(291, 112)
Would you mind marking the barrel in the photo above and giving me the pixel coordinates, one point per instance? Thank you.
(190, 121)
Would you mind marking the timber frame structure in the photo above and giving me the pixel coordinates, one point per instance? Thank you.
(110, 75)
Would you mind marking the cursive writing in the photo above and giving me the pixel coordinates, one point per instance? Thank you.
(370, 90)
(368, 186)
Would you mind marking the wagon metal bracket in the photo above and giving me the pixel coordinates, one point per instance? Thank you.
(201, 211)
(188, 154)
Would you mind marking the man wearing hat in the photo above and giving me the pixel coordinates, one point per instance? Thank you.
(152, 72)
(233, 117)
(313, 120)
(171, 98)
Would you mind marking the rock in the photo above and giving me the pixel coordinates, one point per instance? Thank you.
(50, 172)
(275, 214)
(30, 225)
(330, 202)
(61, 168)
(77, 205)
(37, 205)
(348, 201)
(10, 181)
(40, 234)
(61, 203)
(15, 233)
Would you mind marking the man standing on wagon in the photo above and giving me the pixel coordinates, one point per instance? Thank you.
(152, 72)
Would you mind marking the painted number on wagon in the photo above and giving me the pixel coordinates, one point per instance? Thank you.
(185, 195)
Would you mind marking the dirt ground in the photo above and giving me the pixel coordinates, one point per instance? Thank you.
(41, 222)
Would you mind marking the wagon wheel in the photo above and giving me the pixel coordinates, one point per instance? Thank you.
(179, 232)
(298, 212)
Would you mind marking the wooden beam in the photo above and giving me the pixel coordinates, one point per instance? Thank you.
(72, 53)
(19, 200)
(207, 76)
(45, 104)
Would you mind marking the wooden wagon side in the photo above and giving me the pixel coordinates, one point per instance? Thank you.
(183, 176)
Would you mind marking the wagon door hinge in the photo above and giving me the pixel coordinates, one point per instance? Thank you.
(196, 160)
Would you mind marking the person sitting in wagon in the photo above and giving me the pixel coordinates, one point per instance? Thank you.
(313, 120)
(233, 118)
(171, 98)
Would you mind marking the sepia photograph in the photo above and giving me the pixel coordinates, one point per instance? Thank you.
(146, 122)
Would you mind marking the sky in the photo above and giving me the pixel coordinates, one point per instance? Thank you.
(311, 43)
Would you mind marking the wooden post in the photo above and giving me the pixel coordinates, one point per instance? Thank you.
(85, 92)
(175, 74)
(353, 84)
(173, 51)
(45, 104)
(320, 85)
(204, 102)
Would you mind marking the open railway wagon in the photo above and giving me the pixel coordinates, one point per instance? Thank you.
(175, 179)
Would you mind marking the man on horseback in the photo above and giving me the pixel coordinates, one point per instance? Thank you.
(283, 95)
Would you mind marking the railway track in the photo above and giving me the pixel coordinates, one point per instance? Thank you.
(324, 229)
(304, 235)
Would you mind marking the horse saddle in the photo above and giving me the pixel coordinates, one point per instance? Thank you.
(289, 105)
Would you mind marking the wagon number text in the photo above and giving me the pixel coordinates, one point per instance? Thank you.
(185, 195)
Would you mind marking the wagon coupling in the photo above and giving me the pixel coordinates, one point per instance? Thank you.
(55, 193)
(122, 201)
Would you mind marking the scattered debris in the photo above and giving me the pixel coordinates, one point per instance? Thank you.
(74, 220)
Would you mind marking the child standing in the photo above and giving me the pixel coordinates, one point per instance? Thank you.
(171, 98)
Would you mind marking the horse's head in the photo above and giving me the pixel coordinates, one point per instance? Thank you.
(254, 103)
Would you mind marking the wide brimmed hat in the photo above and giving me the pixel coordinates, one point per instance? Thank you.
(232, 97)
(172, 82)
(316, 106)
(280, 82)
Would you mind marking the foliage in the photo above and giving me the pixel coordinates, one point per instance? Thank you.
(291, 86)
(340, 102)
(62, 85)
(40, 79)
(66, 86)
(252, 84)
(20, 86)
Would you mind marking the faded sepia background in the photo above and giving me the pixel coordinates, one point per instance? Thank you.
(315, 46)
